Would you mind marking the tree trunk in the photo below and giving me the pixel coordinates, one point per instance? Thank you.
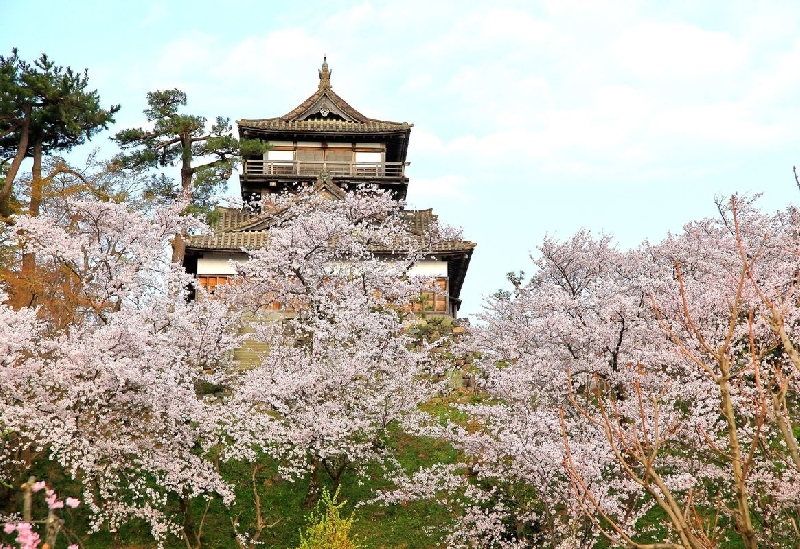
(312, 495)
(186, 166)
(11, 175)
(185, 504)
(178, 248)
(179, 242)
(24, 294)
(335, 471)
(37, 183)
(744, 524)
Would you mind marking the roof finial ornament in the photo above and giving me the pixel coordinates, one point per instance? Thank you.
(325, 74)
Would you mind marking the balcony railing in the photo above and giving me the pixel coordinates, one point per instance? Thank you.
(336, 169)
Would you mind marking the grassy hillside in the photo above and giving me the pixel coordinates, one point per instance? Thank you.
(282, 505)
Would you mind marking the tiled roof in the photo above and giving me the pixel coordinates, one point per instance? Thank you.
(251, 240)
(231, 219)
(234, 231)
(324, 111)
(330, 126)
(248, 240)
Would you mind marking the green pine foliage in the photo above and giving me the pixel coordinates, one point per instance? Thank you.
(45, 110)
(206, 154)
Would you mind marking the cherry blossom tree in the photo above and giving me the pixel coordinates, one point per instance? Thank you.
(110, 395)
(332, 284)
(732, 477)
(580, 315)
(109, 390)
(644, 396)
(19, 336)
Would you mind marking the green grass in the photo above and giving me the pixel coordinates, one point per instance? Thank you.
(283, 507)
(284, 510)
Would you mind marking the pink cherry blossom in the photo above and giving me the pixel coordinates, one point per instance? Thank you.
(114, 399)
(610, 384)
(26, 537)
(342, 364)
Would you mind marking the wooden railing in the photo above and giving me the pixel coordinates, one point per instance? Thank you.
(335, 169)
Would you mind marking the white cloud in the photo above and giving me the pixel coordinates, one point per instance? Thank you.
(718, 123)
(676, 50)
(424, 142)
(422, 190)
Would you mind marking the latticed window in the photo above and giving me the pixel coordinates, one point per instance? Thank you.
(435, 301)
(210, 282)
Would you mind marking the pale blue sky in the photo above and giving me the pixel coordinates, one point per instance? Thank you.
(529, 117)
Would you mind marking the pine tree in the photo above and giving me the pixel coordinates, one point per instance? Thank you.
(178, 139)
(45, 109)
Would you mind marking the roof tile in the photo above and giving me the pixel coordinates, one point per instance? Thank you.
(234, 232)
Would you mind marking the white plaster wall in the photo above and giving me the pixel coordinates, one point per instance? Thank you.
(374, 157)
(280, 155)
(219, 264)
(429, 267)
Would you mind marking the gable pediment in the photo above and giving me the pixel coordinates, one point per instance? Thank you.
(325, 107)
(324, 104)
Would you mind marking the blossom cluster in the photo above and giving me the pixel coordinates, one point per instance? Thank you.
(105, 376)
(617, 382)
(26, 536)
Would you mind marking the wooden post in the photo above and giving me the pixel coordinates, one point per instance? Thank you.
(52, 524)
(52, 528)
(27, 499)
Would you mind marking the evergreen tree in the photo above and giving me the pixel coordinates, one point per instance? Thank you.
(178, 139)
(45, 109)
